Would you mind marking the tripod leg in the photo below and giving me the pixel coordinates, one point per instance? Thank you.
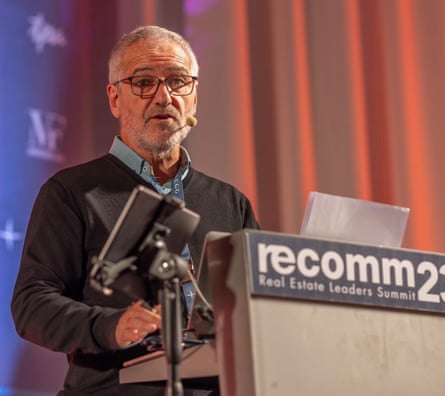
(172, 333)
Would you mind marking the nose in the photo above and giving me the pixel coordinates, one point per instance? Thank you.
(162, 95)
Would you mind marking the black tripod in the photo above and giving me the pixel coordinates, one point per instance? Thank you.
(151, 261)
(170, 269)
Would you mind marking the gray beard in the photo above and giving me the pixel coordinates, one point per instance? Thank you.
(162, 148)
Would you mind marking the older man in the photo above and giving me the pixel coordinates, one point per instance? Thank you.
(152, 91)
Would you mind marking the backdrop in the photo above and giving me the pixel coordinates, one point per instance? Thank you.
(337, 96)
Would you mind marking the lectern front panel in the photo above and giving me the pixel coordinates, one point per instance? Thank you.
(272, 345)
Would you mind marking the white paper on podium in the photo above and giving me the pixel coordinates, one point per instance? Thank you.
(349, 219)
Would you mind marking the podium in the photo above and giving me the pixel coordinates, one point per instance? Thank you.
(300, 316)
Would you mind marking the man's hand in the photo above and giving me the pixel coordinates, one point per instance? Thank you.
(136, 323)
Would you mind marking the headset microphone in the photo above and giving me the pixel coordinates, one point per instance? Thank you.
(191, 121)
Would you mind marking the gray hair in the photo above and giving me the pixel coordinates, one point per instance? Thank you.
(155, 33)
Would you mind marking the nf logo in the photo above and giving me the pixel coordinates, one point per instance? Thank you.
(42, 33)
(45, 135)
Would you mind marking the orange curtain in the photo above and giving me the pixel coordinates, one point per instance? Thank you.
(338, 96)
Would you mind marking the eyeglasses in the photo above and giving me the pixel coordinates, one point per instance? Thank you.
(147, 86)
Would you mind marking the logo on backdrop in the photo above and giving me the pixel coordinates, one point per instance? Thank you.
(311, 269)
(42, 33)
(9, 235)
(46, 134)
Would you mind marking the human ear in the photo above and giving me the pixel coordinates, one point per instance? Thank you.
(113, 99)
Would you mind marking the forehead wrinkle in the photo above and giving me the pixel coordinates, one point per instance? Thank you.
(164, 70)
(155, 58)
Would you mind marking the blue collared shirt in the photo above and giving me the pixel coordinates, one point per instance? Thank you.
(135, 162)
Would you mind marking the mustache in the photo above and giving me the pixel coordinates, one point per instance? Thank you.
(162, 112)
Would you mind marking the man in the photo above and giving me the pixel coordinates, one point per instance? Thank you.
(152, 91)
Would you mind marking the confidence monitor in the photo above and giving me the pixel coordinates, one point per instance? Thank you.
(123, 263)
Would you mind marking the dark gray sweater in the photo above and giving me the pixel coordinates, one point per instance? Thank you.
(53, 304)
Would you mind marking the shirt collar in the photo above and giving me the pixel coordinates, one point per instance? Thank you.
(136, 163)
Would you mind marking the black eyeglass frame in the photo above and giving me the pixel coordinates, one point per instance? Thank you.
(129, 80)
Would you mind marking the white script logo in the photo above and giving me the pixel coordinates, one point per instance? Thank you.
(45, 135)
(42, 33)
